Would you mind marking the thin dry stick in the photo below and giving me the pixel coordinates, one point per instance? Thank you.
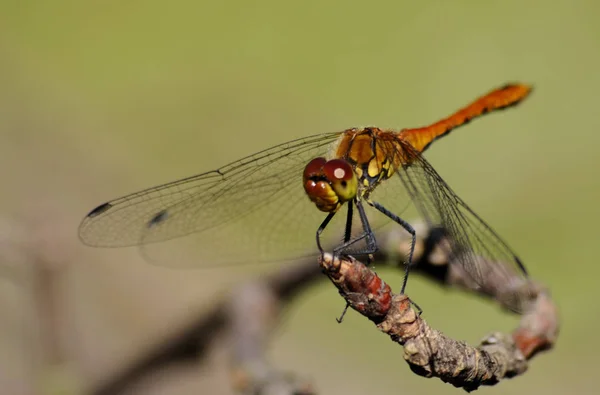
(428, 351)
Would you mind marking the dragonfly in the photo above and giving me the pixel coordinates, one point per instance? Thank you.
(256, 209)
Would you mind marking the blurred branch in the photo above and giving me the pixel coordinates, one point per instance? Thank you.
(249, 314)
(34, 256)
(186, 346)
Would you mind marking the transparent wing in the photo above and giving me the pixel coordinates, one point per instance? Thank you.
(254, 209)
(471, 240)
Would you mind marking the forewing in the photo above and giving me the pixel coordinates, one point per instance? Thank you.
(481, 253)
(254, 209)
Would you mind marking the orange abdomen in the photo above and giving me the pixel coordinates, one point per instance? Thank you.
(508, 95)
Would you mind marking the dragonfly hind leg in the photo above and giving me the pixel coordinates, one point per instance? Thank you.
(408, 227)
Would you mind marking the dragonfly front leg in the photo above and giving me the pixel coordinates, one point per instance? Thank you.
(408, 227)
(321, 229)
(367, 235)
(348, 241)
(344, 248)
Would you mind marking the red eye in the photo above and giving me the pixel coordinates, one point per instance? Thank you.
(330, 184)
(338, 169)
(314, 167)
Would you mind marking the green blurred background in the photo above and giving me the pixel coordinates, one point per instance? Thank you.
(102, 98)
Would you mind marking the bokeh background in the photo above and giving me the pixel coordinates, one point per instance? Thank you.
(102, 98)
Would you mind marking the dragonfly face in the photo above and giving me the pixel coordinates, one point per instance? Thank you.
(329, 184)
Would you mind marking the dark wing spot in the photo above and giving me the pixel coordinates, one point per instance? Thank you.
(161, 216)
(99, 210)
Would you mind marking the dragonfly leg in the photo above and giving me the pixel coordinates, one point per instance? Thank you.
(419, 309)
(410, 230)
(321, 229)
(367, 234)
(348, 231)
(371, 242)
(347, 241)
(339, 320)
(347, 237)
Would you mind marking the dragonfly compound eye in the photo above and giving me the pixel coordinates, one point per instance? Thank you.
(342, 179)
(317, 187)
(329, 184)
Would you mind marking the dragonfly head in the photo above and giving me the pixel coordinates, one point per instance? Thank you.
(329, 184)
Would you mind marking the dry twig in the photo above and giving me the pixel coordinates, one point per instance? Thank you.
(428, 351)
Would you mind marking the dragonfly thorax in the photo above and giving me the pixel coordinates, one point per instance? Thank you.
(371, 163)
(369, 176)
